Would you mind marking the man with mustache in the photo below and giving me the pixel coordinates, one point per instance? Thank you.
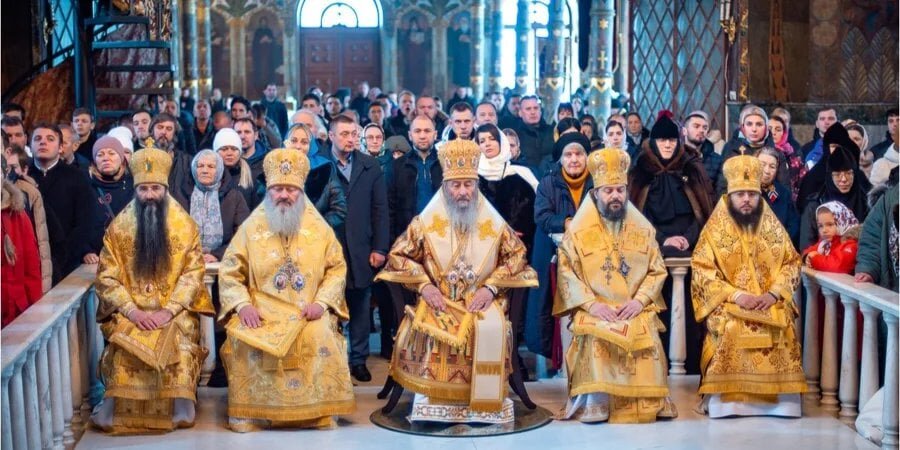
(457, 250)
(610, 276)
(286, 254)
(151, 291)
(745, 270)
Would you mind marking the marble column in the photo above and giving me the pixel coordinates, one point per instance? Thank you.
(891, 392)
(476, 79)
(238, 56)
(553, 80)
(496, 35)
(6, 424)
(439, 83)
(189, 41)
(829, 382)
(677, 325)
(811, 354)
(868, 383)
(848, 391)
(292, 40)
(389, 65)
(204, 49)
(601, 52)
(290, 69)
(523, 34)
(19, 428)
(177, 53)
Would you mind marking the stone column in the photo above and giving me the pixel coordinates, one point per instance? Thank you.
(848, 387)
(623, 46)
(601, 51)
(439, 81)
(812, 356)
(868, 382)
(190, 43)
(523, 33)
(477, 64)
(496, 35)
(553, 80)
(830, 364)
(238, 56)
(287, 50)
(389, 66)
(177, 52)
(292, 40)
(204, 49)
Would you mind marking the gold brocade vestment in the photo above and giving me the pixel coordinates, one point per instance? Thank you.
(591, 269)
(745, 359)
(426, 254)
(311, 382)
(144, 396)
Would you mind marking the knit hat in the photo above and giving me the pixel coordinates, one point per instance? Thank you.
(125, 136)
(752, 110)
(397, 143)
(109, 142)
(226, 137)
(570, 138)
(664, 128)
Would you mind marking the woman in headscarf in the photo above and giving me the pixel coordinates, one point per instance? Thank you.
(559, 194)
(777, 195)
(510, 188)
(860, 137)
(845, 183)
(322, 187)
(791, 161)
(670, 187)
(214, 203)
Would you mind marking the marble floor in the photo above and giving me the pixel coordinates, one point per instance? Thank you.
(689, 431)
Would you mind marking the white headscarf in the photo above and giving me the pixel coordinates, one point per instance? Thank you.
(499, 167)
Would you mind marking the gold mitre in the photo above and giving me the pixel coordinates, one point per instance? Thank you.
(286, 166)
(459, 159)
(609, 166)
(151, 165)
(743, 173)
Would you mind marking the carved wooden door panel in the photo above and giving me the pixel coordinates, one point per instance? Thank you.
(333, 58)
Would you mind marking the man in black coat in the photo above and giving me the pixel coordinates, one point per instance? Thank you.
(417, 176)
(364, 235)
(893, 119)
(67, 199)
(535, 135)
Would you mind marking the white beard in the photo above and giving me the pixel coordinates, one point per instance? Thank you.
(462, 218)
(285, 221)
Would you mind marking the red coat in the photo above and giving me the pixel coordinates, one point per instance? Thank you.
(21, 286)
(841, 258)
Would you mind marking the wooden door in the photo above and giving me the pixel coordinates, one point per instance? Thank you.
(332, 58)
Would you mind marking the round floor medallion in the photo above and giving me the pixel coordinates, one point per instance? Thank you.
(526, 419)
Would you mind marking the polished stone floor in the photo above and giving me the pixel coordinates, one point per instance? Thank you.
(689, 431)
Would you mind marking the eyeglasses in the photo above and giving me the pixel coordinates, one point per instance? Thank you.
(848, 175)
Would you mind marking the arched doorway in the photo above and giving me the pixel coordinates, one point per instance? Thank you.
(339, 43)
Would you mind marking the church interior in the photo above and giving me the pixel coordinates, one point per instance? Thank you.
(596, 65)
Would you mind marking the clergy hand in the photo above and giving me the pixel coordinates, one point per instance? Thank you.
(432, 295)
(209, 258)
(161, 317)
(765, 301)
(747, 301)
(481, 300)
(91, 258)
(863, 277)
(603, 312)
(250, 317)
(376, 259)
(142, 319)
(630, 310)
(313, 311)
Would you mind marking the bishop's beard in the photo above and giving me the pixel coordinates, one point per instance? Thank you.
(750, 219)
(462, 217)
(609, 214)
(284, 220)
(151, 257)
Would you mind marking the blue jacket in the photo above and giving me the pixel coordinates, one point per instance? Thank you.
(784, 210)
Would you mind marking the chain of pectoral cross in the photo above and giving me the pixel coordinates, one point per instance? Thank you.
(608, 266)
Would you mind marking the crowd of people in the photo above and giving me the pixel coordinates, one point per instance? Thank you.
(482, 203)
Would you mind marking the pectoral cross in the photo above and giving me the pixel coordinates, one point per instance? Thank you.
(608, 267)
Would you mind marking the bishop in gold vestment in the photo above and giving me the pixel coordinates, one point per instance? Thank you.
(285, 256)
(745, 270)
(460, 256)
(610, 274)
(151, 293)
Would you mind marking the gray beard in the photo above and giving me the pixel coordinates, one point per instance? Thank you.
(606, 213)
(462, 218)
(285, 222)
(151, 256)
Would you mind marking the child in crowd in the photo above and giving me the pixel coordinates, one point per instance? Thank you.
(838, 239)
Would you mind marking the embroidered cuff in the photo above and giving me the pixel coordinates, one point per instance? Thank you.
(127, 308)
(173, 308)
(241, 306)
